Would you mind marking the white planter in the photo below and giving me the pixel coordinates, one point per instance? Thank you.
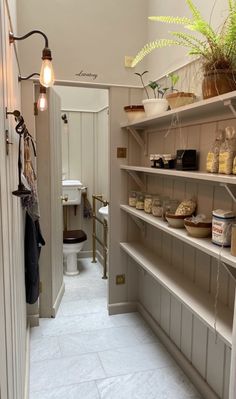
(155, 106)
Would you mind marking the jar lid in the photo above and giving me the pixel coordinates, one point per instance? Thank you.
(223, 214)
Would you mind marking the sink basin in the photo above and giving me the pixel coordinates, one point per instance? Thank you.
(104, 212)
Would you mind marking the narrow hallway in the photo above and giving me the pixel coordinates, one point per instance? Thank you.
(86, 354)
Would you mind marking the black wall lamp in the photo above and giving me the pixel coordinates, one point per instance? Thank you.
(42, 103)
(46, 77)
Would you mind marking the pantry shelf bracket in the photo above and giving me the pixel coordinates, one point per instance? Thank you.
(231, 190)
(142, 143)
(141, 225)
(231, 105)
(137, 180)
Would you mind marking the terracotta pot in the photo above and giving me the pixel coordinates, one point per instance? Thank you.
(180, 98)
(134, 112)
(218, 82)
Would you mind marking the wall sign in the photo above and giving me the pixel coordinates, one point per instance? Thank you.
(87, 75)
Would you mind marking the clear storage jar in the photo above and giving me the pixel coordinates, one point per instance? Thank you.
(140, 201)
(157, 208)
(148, 203)
(133, 198)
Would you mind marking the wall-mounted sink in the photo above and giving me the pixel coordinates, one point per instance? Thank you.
(71, 192)
(104, 212)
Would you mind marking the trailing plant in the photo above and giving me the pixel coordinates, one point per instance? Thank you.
(216, 48)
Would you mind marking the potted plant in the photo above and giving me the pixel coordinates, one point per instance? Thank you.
(178, 98)
(217, 49)
(157, 104)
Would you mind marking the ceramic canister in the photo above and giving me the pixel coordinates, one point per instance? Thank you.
(221, 227)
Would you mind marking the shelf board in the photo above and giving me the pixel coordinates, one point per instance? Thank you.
(193, 297)
(209, 177)
(199, 110)
(203, 244)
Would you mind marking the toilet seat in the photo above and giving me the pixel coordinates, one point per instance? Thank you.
(74, 236)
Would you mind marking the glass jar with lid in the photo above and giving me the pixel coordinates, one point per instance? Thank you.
(140, 201)
(148, 203)
(157, 207)
(133, 198)
(166, 207)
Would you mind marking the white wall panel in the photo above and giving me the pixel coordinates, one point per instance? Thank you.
(186, 333)
(199, 346)
(215, 363)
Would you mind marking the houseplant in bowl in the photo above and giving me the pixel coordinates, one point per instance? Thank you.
(158, 104)
(178, 98)
(216, 48)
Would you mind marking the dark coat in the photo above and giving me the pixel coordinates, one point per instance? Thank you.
(33, 243)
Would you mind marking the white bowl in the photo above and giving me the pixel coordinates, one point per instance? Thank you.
(176, 221)
(155, 106)
(201, 229)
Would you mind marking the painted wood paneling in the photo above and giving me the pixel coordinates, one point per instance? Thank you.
(186, 333)
(199, 346)
(215, 363)
(12, 286)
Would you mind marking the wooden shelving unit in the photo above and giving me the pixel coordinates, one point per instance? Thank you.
(198, 301)
(202, 176)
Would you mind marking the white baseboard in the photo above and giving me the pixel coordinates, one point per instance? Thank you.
(33, 320)
(85, 254)
(58, 300)
(186, 366)
(27, 363)
(122, 307)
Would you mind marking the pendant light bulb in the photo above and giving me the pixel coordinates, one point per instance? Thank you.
(42, 103)
(46, 74)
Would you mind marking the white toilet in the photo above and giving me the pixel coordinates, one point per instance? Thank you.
(73, 240)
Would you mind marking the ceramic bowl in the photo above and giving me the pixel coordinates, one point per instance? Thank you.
(198, 230)
(180, 99)
(134, 112)
(155, 106)
(176, 221)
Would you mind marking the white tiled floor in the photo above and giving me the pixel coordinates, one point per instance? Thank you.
(86, 354)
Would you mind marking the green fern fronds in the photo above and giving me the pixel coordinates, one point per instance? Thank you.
(171, 20)
(195, 12)
(191, 42)
(148, 48)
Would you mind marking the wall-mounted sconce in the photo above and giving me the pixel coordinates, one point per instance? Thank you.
(42, 103)
(46, 73)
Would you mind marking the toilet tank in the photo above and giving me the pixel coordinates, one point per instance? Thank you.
(71, 192)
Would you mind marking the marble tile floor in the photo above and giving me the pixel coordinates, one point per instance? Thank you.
(85, 354)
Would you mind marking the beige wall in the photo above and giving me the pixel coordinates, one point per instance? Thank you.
(93, 36)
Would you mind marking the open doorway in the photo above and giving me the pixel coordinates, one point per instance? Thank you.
(84, 137)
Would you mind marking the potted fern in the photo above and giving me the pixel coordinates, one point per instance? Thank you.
(217, 49)
(158, 104)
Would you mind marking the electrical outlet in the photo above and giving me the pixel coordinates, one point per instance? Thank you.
(128, 61)
(120, 279)
(121, 152)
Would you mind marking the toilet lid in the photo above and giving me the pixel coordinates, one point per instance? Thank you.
(74, 236)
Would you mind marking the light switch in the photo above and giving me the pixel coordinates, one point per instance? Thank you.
(128, 61)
